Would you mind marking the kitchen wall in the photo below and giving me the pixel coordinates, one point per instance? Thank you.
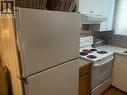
(101, 35)
(119, 40)
(84, 31)
(108, 36)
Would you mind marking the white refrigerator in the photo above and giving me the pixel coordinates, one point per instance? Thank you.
(48, 45)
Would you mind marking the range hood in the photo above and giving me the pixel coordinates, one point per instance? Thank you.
(92, 19)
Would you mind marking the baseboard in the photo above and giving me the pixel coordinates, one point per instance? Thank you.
(118, 89)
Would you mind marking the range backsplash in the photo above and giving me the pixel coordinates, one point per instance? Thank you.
(119, 40)
(108, 36)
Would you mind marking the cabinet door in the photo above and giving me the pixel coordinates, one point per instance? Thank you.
(104, 8)
(85, 85)
(97, 6)
(119, 76)
(119, 72)
(90, 6)
(85, 6)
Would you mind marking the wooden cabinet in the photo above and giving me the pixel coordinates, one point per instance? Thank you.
(36, 4)
(100, 8)
(62, 5)
(85, 80)
(120, 72)
(56, 5)
(84, 85)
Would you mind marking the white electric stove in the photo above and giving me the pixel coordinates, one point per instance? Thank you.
(90, 53)
(102, 65)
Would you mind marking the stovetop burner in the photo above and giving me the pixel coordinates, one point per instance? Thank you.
(92, 56)
(93, 49)
(102, 52)
(87, 51)
(83, 53)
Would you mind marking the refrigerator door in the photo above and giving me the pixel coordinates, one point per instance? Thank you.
(60, 80)
(47, 38)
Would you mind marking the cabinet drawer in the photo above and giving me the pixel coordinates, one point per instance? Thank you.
(84, 70)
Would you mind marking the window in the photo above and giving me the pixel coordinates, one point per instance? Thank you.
(120, 24)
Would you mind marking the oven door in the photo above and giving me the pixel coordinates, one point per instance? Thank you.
(101, 71)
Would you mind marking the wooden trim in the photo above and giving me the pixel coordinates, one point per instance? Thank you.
(9, 53)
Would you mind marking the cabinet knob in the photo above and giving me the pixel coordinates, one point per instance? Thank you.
(91, 11)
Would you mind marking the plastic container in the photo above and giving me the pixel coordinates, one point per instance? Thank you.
(3, 81)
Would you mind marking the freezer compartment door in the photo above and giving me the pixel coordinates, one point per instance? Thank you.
(60, 80)
(47, 38)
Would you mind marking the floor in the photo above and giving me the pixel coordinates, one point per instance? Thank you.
(114, 91)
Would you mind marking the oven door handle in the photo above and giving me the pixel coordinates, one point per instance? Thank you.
(104, 62)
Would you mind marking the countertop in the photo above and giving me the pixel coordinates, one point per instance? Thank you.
(112, 49)
(83, 63)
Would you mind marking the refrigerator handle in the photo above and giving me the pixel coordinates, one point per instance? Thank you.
(22, 79)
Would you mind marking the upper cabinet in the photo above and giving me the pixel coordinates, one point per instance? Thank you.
(90, 7)
(104, 8)
(85, 6)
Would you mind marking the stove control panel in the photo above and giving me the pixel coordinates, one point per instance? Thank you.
(86, 41)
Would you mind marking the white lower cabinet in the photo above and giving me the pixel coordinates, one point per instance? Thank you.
(120, 72)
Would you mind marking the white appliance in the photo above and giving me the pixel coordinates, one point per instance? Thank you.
(48, 42)
(92, 19)
(102, 65)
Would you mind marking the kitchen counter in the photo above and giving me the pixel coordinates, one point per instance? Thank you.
(83, 63)
(112, 49)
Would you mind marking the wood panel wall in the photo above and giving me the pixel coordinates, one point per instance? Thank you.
(9, 53)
